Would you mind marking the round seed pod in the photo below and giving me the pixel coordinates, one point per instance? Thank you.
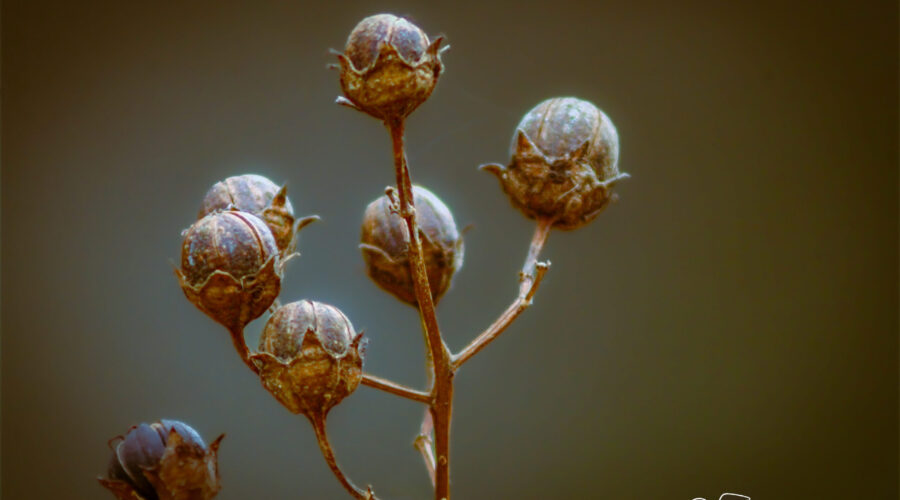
(389, 67)
(385, 245)
(564, 162)
(259, 196)
(230, 267)
(310, 358)
(163, 460)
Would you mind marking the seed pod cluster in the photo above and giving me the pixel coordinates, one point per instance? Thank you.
(564, 162)
(389, 67)
(385, 245)
(259, 196)
(163, 460)
(230, 267)
(310, 358)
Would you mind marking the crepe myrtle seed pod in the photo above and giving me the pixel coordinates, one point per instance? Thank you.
(230, 267)
(163, 460)
(310, 358)
(389, 67)
(259, 196)
(564, 162)
(385, 245)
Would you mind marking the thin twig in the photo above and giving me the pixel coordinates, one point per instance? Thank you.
(528, 276)
(425, 445)
(395, 388)
(529, 280)
(318, 422)
(442, 380)
(240, 345)
(424, 442)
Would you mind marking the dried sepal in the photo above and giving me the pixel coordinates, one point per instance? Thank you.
(279, 216)
(187, 471)
(309, 385)
(230, 267)
(564, 163)
(234, 302)
(389, 67)
(165, 460)
(309, 357)
(385, 245)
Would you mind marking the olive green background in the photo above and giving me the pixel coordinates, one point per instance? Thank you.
(729, 326)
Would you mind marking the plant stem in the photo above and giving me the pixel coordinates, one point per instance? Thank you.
(528, 277)
(442, 380)
(425, 445)
(395, 388)
(529, 280)
(318, 423)
(240, 345)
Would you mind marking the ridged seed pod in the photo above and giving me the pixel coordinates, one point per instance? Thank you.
(259, 196)
(163, 460)
(310, 358)
(230, 267)
(564, 162)
(385, 245)
(389, 67)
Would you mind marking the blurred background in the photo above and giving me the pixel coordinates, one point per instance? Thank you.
(729, 326)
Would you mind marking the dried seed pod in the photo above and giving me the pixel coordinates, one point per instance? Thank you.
(389, 67)
(564, 163)
(310, 358)
(259, 196)
(163, 460)
(385, 245)
(230, 267)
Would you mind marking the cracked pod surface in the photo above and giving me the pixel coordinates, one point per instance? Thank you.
(565, 155)
(385, 245)
(389, 67)
(310, 358)
(165, 460)
(259, 196)
(230, 267)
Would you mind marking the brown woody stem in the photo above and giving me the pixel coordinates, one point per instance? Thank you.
(529, 280)
(395, 388)
(240, 345)
(318, 423)
(442, 379)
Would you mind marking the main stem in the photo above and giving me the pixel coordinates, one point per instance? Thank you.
(442, 379)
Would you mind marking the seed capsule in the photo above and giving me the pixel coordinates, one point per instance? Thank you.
(230, 267)
(163, 460)
(564, 163)
(385, 245)
(389, 67)
(259, 196)
(310, 358)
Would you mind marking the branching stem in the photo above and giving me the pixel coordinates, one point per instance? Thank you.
(395, 388)
(318, 423)
(442, 379)
(240, 345)
(433, 441)
(529, 280)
